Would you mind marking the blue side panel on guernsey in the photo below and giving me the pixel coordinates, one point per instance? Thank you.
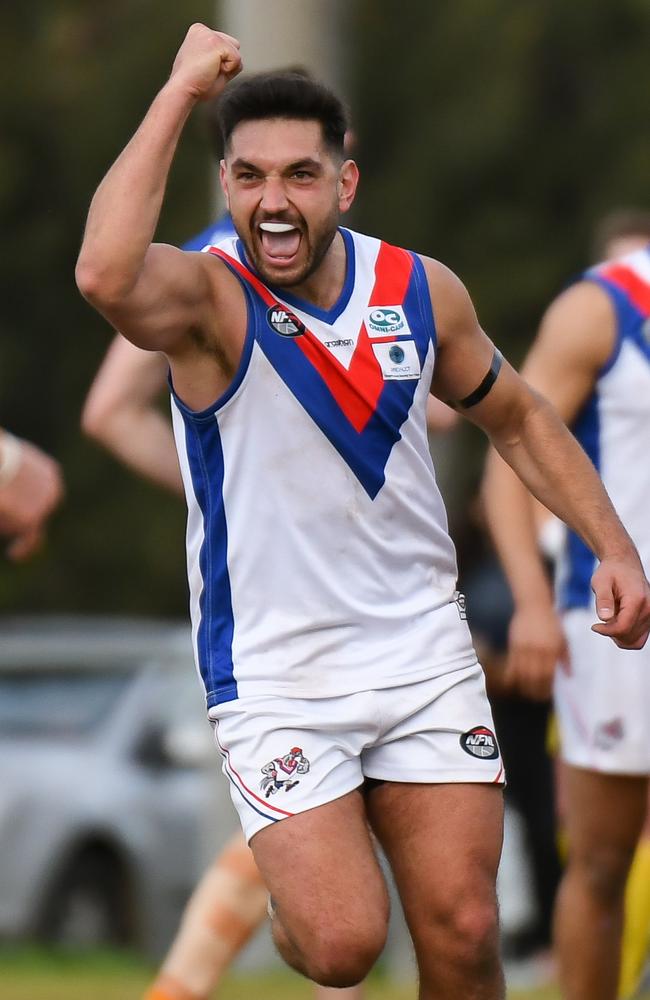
(216, 627)
(576, 588)
(628, 320)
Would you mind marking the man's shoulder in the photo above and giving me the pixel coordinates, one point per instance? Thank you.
(580, 326)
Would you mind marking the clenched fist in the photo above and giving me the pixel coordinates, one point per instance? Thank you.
(205, 62)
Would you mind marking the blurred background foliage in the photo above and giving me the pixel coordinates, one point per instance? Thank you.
(492, 134)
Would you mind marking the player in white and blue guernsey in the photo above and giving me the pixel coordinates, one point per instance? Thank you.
(592, 359)
(338, 668)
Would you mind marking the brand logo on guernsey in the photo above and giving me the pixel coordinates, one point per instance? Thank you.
(480, 742)
(284, 322)
(382, 321)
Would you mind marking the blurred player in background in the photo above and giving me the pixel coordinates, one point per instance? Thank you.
(31, 487)
(351, 645)
(591, 359)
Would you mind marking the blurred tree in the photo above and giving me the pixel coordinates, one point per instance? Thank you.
(78, 77)
(493, 134)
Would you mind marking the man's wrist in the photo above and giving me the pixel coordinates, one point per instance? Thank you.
(624, 549)
(11, 454)
(179, 93)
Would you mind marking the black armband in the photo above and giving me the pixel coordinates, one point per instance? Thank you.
(482, 390)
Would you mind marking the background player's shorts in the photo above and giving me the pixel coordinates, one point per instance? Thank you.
(285, 755)
(603, 704)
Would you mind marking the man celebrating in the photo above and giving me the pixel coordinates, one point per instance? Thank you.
(321, 572)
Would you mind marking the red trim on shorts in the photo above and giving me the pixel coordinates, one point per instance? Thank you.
(263, 802)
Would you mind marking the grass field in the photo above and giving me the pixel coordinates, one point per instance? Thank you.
(30, 974)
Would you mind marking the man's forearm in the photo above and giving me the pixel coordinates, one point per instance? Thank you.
(143, 440)
(553, 466)
(509, 513)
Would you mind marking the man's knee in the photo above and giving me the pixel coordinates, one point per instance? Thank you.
(343, 959)
(604, 872)
(465, 932)
(476, 930)
(334, 955)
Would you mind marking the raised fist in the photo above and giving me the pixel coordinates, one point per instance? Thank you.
(206, 61)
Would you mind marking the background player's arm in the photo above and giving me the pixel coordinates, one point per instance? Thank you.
(120, 413)
(533, 440)
(440, 417)
(156, 295)
(31, 486)
(575, 339)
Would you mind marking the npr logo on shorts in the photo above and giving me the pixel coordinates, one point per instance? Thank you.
(480, 742)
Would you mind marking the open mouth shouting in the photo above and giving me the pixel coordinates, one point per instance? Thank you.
(280, 243)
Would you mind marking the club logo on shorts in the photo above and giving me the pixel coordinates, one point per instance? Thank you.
(608, 734)
(284, 322)
(480, 742)
(280, 773)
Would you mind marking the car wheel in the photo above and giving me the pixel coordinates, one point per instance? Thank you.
(88, 906)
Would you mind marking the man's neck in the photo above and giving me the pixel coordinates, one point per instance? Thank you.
(323, 287)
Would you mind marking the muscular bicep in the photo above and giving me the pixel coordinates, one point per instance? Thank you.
(169, 300)
(469, 372)
(464, 353)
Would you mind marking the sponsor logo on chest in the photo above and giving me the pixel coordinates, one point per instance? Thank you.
(398, 360)
(386, 321)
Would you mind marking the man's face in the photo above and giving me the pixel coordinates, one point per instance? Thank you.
(285, 190)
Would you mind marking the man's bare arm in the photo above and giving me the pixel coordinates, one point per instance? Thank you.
(154, 294)
(120, 413)
(576, 337)
(534, 441)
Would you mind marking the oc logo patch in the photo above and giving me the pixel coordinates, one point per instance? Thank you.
(480, 742)
(284, 322)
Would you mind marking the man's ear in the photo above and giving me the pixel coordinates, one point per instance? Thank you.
(223, 182)
(346, 186)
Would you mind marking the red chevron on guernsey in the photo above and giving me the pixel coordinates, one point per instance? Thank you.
(631, 282)
(357, 389)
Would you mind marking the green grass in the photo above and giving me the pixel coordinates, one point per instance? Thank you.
(35, 974)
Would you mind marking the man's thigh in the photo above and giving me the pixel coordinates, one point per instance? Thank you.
(443, 843)
(604, 812)
(321, 869)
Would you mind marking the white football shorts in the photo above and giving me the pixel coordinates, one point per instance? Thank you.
(603, 703)
(283, 756)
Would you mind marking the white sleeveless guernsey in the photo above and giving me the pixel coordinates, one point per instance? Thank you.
(614, 424)
(319, 559)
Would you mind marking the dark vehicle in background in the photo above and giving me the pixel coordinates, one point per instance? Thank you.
(106, 770)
